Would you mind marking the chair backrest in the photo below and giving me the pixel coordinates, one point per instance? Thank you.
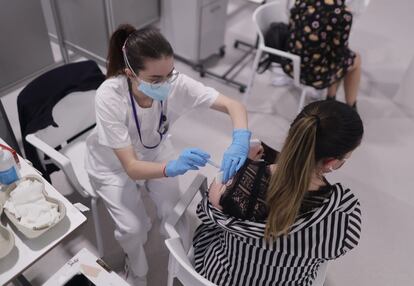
(357, 7)
(183, 268)
(180, 262)
(6, 131)
(264, 15)
(73, 114)
(36, 105)
(404, 97)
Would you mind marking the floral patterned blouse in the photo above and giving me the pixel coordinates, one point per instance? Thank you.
(319, 33)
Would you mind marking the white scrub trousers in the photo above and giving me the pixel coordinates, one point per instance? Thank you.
(127, 209)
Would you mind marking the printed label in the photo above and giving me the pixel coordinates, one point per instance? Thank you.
(9, 176)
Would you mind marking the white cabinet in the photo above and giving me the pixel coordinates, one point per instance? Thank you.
(194, 28)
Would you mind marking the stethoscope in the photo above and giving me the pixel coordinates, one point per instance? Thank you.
(162, 125)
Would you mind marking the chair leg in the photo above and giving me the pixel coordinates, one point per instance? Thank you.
(253, 74)
(170, 281)
(98, 233)
(171, 271)
(302, 100)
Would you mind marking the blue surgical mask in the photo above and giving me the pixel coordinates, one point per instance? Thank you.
(159, 93)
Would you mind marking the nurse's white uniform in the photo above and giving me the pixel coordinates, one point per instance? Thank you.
(116, 128)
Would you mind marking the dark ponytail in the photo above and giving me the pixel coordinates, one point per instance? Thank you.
(323, 129)
(147, 43)
(115, 60)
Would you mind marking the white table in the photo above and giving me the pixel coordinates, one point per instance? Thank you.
(27, 251)
(86, 263)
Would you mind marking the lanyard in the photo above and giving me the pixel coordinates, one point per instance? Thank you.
(163, 119)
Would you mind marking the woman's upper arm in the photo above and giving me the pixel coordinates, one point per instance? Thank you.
(214, 194)
(194, 93)
(222, 103)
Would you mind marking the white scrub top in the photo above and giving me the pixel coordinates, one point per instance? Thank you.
(116, 127)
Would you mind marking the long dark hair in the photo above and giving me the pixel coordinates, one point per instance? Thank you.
(147, 43)
(323, 129)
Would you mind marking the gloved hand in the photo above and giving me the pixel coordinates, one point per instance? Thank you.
(236, 154)
(189, 159)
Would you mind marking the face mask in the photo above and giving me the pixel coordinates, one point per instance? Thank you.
(160, 93)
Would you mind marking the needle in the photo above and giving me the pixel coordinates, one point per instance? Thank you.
(213, 164)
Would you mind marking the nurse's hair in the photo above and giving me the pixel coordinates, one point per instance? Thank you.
(147, 43)
(322, 130)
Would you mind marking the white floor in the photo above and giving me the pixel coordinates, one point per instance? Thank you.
(380, 171)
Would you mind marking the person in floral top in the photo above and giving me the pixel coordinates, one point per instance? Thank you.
(319, 34)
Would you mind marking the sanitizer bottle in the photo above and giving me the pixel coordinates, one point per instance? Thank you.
(8, 168)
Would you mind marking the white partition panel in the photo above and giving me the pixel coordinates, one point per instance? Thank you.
(138, 13)
(84, 26)
(25, 49)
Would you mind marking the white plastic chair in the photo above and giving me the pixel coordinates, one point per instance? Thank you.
(181, 260)
(263, 16)
(180, 263)
(357, 7)
(73, 114)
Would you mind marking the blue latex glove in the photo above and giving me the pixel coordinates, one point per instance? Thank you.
(236, 154)
(189, 159)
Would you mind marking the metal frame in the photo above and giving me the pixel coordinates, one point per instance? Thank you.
(226, 76)
(229, 75)
(67, 45)
(64, 45)
(59, 31)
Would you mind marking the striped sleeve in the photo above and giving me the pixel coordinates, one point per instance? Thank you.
(351, 207)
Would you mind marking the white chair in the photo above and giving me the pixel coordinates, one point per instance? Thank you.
(180, 263)
(278, 11)
(74, 115)
(263, 16)
(357, 7)
(181, 260)
(321, 276)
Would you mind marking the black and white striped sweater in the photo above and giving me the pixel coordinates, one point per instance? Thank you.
(233, 252)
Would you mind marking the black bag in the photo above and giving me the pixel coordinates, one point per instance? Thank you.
(276, 37)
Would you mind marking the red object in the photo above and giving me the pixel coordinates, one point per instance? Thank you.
(15, 156)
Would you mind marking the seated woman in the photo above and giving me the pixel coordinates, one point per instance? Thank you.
(278, 230)
(319, 33)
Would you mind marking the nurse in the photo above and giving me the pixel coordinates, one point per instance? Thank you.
(136, 105)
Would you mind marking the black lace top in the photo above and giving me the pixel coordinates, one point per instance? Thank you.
(245, 196)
